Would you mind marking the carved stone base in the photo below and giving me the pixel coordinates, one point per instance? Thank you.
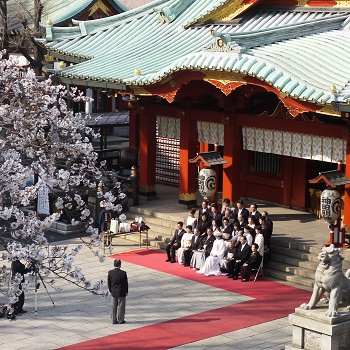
(314, 331)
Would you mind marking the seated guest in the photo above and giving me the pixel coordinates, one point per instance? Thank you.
(191, 219)
(241, 256)
(212, 262)
(175, 242)
(185, 244)
(226, 229)
(259, 240)
(252, 263)
(236, 233)
(247, 233)
(228, 256)
(203, 225)
(198, 257)
(195, 243)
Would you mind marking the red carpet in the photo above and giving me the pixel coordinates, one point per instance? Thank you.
(272, 301)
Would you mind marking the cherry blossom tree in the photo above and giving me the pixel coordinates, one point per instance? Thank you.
(40, 135)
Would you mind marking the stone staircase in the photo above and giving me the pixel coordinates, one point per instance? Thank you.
(296, 263)
(291, 262)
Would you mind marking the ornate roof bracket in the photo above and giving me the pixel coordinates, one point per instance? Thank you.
(170, 13)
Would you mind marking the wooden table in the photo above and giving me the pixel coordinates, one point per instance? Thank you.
(108, 237)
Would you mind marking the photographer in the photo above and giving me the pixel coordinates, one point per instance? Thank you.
(18, 267)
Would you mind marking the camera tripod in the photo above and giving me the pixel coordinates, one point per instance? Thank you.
(37, 285)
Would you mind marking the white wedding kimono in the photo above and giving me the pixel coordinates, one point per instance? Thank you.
(212, 262)
(185, 244)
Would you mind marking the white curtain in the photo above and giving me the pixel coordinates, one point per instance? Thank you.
(210, 132)
(307, 146)
(168, 127)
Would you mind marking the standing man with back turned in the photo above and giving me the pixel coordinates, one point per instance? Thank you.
(118, 287)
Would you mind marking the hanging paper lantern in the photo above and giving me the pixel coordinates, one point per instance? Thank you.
(330, 205)
(207, 182)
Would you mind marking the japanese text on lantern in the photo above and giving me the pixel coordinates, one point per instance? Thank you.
(326, 209)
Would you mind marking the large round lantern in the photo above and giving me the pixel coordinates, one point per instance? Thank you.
(207, 182)
(330, 205)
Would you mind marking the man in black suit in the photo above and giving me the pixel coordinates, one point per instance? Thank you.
(242, 255)
(195, 243)
(118, 287)
(240, 210)
(175, 243)
(204, 210)
(18, 267)
(254, 213)
(215, 215)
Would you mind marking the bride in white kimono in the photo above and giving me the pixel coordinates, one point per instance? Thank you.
(212, 262)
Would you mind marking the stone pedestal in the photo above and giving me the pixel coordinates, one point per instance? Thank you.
(314, 331)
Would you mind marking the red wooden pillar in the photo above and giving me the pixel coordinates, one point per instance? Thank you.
(133, 128)
(147, 171)
(188, 171)
(231, 184)
(347, 189)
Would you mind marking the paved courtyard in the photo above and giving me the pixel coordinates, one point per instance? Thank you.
(154, 297)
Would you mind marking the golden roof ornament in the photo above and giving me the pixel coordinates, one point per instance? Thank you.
(49, 22)
(62, 64)
(333, 89)
(137, 72)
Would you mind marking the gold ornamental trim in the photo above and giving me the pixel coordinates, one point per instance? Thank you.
(141, 91)
(99, 5)
(329, 110)
(227, 12)
(147, 188)
(340, 3)
(224, 77)
(187, 196)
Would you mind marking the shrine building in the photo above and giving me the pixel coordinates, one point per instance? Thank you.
(265, 83)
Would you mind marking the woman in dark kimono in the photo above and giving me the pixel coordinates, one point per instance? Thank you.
(252, 263)
(203, 225)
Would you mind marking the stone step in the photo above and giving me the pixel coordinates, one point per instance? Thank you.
(146, 212)
(283, 276)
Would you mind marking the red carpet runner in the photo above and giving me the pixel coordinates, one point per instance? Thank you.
(272, 301)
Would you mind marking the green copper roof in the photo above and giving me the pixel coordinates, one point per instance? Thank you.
(302, 52)
(55, 11)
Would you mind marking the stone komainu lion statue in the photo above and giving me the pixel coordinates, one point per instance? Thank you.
(330, 281)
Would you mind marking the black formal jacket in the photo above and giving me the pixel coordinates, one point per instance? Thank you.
(244, 213)
(118, 283)
(244, 254)
(255, 217)
(195, 245)
(177, 237)
(202, 226)
(201, 212)
(208, 241)
(218, 218)
(254, 260)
